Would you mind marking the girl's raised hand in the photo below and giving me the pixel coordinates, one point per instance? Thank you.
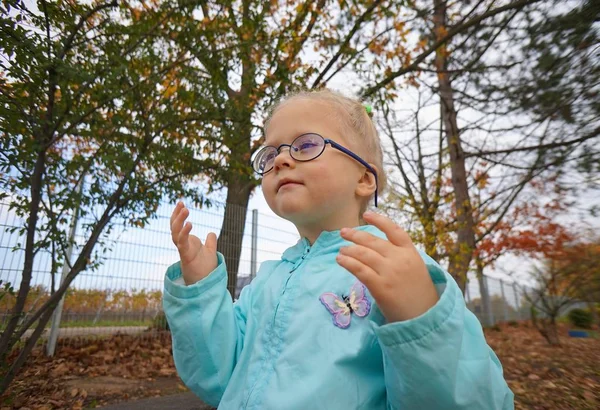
(392, 269)
(197, 259)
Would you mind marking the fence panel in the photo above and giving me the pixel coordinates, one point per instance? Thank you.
(124, 294)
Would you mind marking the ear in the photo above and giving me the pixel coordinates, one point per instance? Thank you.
(367, 184)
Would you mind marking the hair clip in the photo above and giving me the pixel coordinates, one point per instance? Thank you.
(369, 110)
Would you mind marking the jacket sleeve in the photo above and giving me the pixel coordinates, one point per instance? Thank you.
(440, 360)
(207, 329)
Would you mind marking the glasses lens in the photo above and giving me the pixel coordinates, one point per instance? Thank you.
(263, 162)
(307, 147)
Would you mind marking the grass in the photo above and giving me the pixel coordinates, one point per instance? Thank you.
(99, 323)
(106, 323)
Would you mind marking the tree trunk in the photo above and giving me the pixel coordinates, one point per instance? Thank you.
(43, 137)
(463, 252)
(15, 366)
(546, 327)
(232, 230)
(6, 340)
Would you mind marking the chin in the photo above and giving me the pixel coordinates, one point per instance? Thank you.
(293, 213)
(302, 215)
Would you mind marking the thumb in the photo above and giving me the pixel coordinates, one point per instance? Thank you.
(211, 242)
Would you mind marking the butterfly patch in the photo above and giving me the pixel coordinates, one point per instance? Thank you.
(343, 307)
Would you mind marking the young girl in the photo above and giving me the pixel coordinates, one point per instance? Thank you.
(352, 316)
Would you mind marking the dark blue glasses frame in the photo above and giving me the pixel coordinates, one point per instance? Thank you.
(326, 141)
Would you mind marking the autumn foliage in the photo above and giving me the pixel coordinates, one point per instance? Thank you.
(90, 304)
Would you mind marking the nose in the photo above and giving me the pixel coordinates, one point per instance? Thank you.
(283, 159)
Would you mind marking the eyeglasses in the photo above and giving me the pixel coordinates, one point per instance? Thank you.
(303, 149)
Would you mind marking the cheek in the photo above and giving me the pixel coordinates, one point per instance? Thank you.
(321, 169)
(267, 185)
(334, 172)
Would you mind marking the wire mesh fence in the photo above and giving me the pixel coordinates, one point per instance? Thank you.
(505, 300)
(124, 294)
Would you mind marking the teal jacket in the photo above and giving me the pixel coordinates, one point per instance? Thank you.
(277, 347)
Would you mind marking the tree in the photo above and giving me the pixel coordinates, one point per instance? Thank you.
(548, 241)
(254, 53)
(438, 32)
(547, 301)
(466, 42)
(140, 301)
(418, 197)
(88, 123)
(546, 76)
(284, 38)
(580, 263)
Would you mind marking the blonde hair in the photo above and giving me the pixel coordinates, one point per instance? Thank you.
(354, 120)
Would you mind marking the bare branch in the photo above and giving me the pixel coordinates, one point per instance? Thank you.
(451, 33)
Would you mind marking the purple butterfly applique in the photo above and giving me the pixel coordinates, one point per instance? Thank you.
(342, 308)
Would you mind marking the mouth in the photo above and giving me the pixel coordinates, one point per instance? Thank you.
(287, 183)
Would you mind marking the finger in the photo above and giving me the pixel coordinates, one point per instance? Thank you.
(394, 233)
(368, 240)
(176, 211)
(211, 242)
(177, 224)
(179, 209)
(183, 240)
(367, 256)
(362, 272)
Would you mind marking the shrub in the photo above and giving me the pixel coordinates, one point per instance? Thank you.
(580, 318)
(160, 321)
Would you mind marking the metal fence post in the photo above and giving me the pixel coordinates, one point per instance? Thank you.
(516, 293)
(253, 253)
(56, 316)
(488, 305)
(504, 302)
(467, 293)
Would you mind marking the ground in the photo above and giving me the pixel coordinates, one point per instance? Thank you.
(544, 376)
(126, 367)
(94, 374)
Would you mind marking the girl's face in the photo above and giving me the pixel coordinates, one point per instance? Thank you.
(319, 192)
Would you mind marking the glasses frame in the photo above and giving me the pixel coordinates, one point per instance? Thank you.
(326, 142)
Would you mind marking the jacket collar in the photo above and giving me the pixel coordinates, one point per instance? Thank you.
(327, 242)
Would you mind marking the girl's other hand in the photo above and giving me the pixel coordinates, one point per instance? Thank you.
(197, 260)
(392, 269)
